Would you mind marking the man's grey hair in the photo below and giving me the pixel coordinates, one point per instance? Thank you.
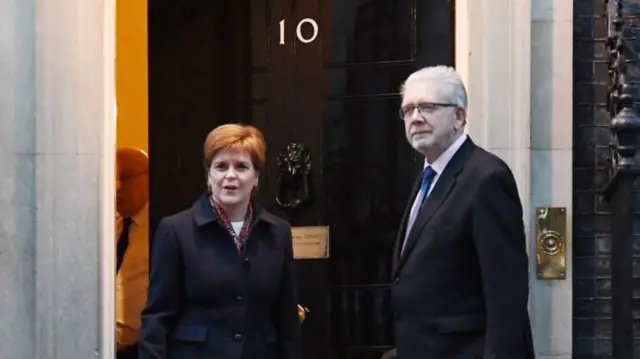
(452, 85)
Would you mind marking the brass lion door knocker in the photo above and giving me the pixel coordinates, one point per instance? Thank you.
(294, 177)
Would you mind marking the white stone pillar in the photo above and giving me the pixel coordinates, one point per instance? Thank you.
(516, 58)
(493, 39)
(17, 179)
(552, 162)
(74, 75)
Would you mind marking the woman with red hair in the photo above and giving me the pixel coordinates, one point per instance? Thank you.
(221, 282)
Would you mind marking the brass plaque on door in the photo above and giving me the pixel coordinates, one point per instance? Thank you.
(551, 242)
(310, 242)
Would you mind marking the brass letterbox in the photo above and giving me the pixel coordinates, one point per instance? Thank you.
(551, 242)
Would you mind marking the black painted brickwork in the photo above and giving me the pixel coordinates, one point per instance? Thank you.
(592, 241)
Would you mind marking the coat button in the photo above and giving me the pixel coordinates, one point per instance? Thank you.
(396, 280)
(239, 298)
(237, 337)
(246, 260)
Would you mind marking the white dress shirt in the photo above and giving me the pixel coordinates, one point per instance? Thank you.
(133, 279)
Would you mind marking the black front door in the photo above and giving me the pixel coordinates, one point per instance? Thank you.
(323, 75)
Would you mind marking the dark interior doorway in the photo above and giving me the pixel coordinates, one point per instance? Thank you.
(335, 93)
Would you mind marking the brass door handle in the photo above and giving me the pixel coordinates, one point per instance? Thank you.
(302, 313)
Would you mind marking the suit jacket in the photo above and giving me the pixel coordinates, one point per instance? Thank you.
(460, 287)
(206, 300)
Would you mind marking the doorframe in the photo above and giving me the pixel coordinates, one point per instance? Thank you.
(493, 56)
(502, 48)
(106, 188)
(481, 55)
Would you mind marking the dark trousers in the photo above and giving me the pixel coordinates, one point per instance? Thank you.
(130, 352)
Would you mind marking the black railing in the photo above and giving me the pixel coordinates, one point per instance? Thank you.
(623, 170)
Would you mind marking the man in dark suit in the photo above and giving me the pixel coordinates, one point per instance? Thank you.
(460, 267)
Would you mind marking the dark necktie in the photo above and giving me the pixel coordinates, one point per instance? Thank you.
(427, 176)
(123, 241)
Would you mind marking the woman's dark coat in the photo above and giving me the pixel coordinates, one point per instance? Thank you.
(206, 300)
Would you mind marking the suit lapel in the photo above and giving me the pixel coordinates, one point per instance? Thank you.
(405, 217)
(440, 192)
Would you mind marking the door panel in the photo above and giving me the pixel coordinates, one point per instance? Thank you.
(338, 97)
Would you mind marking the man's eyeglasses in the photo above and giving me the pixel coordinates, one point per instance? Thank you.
(423, 108)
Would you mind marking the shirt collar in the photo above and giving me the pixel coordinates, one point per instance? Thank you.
(137, 218)
(441, 162)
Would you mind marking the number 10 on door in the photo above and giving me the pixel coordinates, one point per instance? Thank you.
(304, 39)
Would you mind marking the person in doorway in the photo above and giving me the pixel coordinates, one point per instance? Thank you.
(460, 278)
(132, 246)
(222, 282)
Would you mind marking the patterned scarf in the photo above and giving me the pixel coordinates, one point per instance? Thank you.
(224, 220)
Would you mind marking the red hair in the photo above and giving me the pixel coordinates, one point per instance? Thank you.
(237, 137)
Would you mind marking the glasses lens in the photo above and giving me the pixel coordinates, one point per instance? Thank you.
(401, 113)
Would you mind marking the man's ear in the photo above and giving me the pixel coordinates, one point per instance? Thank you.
(461, 117)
